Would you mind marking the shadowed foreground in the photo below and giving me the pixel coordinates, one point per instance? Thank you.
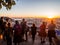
(29, 42)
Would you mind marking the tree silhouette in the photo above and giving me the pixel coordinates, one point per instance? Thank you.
(7, 3)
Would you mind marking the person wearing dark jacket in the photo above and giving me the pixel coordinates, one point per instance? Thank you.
(23, 27)
(33, 31)
(8, 34)
(1, 24)
(4, 28)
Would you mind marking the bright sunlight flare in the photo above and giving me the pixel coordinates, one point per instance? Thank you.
(50, 16)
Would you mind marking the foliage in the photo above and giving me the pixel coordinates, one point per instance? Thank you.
(7, 3)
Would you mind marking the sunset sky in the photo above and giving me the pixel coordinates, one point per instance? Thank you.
(33, 8)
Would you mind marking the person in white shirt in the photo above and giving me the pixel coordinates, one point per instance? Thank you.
(51, 31)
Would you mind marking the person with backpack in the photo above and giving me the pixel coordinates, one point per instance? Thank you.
(17, 33)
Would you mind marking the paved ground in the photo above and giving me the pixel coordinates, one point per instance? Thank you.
(29, 42)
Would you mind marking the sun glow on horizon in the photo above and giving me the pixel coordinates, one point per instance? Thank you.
(51, 16)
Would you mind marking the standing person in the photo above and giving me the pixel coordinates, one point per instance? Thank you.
(4, 28)
(51, 31)
(8, 33)
(43, 32)
(26, 31)
(17, 33)
(23, 27)
(1, 24)
(33, 31)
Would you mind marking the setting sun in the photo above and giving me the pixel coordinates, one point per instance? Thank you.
(51, 16)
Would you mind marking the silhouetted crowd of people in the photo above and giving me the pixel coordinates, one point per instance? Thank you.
(18, 31)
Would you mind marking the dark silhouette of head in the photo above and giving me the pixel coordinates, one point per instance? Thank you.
(23, 19)
(33, 25)
(1, 17)
(8, 24)
(52, 21)
(43, 22)
(7, 20)
(4, 22)
(16, 22)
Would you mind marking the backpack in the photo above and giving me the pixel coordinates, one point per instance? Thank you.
(17, 29)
